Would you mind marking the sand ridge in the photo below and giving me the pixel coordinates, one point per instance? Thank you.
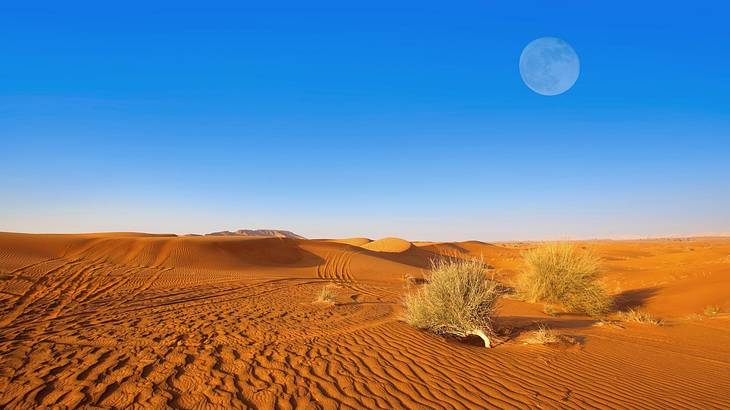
(392, 245)
(117, 320)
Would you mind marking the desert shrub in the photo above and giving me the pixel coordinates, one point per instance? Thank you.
(542, 336)
(457, 299)
(560, 273)
(327, 294)
(711, 310)
(633, 315)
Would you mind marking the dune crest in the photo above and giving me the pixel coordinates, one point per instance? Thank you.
(352, 241)
(390, 245)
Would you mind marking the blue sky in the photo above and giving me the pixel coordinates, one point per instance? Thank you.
(386, 119)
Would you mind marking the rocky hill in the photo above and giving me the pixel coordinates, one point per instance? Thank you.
(276, 233)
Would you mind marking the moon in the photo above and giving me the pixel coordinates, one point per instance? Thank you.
(549, 66)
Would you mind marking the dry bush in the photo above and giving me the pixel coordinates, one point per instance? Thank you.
(562, 274)
(711, 310)
(542, 336)
(457, 299)
(327, 294)
(633, 315)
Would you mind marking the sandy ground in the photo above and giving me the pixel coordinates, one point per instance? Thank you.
(134, 320)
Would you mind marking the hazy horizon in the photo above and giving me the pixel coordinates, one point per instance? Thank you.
(336, 121)
(452, 239)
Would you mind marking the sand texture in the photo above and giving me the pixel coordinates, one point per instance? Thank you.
(133, 320)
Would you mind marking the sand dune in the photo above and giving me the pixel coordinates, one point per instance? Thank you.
(393, 245)
(117, 320)
(352, 241)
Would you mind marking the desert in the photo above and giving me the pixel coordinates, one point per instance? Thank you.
(365, 205)
(124, 320)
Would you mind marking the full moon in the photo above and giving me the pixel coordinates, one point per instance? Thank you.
(549, 66)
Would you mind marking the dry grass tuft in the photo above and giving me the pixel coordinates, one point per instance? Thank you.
(457, 299)
(327, 294)
(549, 310)
(411, 280)
(542, 336)
(562, 274)
(711, 310)
(633, 315)
(693, 316)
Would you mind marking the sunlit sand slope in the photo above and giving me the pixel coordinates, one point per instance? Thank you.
(118, 320)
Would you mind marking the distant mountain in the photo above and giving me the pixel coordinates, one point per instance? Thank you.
(275, 233)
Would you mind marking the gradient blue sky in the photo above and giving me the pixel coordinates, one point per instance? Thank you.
(386, 119)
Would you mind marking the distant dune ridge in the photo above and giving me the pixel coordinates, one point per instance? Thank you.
(275, 233)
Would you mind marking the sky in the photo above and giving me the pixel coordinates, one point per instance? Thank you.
(333, 119)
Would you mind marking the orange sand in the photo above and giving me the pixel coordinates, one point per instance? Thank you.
(117, 320)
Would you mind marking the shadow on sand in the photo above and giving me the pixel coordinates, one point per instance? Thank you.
(633, 299)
